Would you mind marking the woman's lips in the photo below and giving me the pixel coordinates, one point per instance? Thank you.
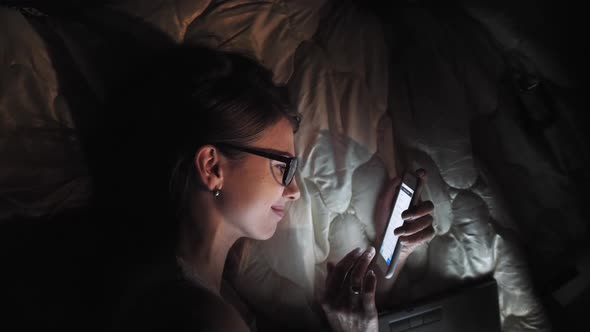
(278, 211)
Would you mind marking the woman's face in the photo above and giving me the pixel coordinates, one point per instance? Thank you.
(254, 199)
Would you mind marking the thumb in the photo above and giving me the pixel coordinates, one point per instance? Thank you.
(391, 188)
(422, 178)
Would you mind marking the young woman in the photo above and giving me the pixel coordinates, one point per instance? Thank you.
(217, 165)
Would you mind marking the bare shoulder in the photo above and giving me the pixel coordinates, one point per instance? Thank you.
(180, 306)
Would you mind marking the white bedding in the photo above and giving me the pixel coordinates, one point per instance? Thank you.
(334, 59)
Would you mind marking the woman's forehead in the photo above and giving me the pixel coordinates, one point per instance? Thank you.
(279, 138)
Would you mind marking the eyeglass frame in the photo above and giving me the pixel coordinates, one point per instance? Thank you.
(261, 153)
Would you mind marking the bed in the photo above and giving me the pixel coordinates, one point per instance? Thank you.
(376, 98)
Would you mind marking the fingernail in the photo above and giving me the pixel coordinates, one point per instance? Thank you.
(371, 273)
(371, 252)
(357, 251)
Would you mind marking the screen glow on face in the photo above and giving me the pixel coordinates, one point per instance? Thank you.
(402, 203)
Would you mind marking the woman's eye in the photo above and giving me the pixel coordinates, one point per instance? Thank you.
(282, 168)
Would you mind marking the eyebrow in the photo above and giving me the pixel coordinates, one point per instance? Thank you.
(279, 152)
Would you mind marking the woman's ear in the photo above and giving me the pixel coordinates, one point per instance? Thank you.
(207, 165)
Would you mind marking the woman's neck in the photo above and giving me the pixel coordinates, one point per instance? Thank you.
(204, 246)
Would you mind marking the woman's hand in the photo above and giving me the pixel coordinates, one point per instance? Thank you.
(349, 301)
(416, 230)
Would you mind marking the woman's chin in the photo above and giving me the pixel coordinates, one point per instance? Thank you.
(269, 230)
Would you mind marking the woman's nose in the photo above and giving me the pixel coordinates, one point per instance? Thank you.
(292, 191)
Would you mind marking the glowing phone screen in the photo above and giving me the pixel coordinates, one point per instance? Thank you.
(402, 203)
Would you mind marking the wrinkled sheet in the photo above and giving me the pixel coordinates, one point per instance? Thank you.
(42, 169)
(357, 126)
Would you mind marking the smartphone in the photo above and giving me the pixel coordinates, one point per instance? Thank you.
(389, 250)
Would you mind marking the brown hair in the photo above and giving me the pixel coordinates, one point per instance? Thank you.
(227, 99)
(193, 97)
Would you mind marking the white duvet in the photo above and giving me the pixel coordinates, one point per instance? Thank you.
(334, 59)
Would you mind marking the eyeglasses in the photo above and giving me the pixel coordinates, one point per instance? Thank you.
(290, 162)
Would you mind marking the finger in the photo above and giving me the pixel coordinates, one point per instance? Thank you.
(423, 236)
(360, 268)
(345, 264)
(421, 174)
(369, 292)
(336, 278)
(418, 211)
(389, 190)
(422, 178)
(409, 228)
(353, 302)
